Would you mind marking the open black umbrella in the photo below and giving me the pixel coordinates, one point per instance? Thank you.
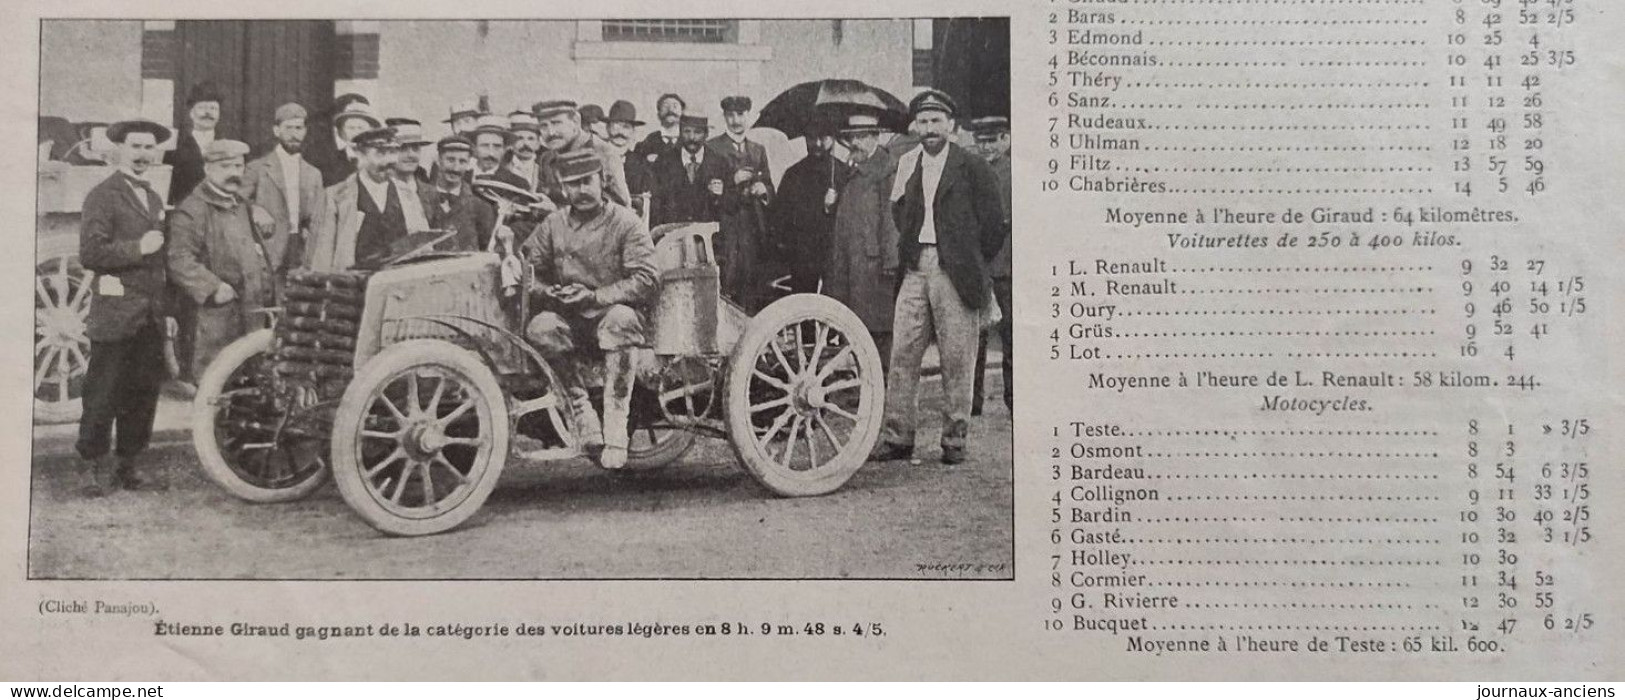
(830, 100)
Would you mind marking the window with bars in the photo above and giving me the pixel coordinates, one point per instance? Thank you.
(693, 31)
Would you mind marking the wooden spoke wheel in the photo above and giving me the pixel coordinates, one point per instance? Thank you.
(420, 437)
(241, 435)
(62, 292)
(805, 395)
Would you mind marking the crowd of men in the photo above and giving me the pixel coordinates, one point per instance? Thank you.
(912, 233)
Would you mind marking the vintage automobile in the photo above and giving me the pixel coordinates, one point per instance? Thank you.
(410, 386)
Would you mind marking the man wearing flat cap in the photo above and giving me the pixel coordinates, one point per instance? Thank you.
(746, 196)
(689, 182)
(220, 263)
(287, 187)
(950, 224)
(121, 240)
(451, 201)
(186, 160)
(366, 216)
(595, 278)
(562, 133)
(993, 140)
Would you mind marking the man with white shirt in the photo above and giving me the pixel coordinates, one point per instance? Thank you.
(367, 215)
(669, 110)
(951, 223)
(527, 141)
(285, 187)
(688, 181)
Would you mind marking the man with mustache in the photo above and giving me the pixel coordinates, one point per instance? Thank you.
(621, 123)
(451, 201)
(491, 140)
(747, 193)
(285, 189)
(595, 278)
(216, 258)
(355, 118)
(121, 242)
(950, 223)
(689, 181)
(669, 110)
(409, 162)
(803, 213)
(527, 141)
(365, 216)
(562, 133)
(186, 160)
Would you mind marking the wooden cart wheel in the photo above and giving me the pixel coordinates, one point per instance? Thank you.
(235, 430)
(420, 437)
(805, 395)
(62, 291)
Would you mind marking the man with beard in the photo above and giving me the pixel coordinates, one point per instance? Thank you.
(451, 201)
(186, 160)
(355, 119)
(669, 111)
(215, 257)
(364, 218)
(562, 133)
(689, 181)
(595, 277)
(993, 141)
(803, 213)
(745, 198)
(286, 188)
(946, 204)
(121, 242)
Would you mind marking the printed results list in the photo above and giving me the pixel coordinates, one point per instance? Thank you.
(1318, 267)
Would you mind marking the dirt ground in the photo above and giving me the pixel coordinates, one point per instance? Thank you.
(700, 518)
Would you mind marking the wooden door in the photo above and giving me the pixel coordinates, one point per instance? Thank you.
(971, 62)
(256, 66)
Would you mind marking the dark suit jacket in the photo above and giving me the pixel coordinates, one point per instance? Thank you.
(753, 156)
(651, 148)
(969, 218)
(471, 216)
(676, 199)
(186, 162)
(111, 226)
(264, 185)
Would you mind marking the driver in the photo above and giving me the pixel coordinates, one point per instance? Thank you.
(595, 277)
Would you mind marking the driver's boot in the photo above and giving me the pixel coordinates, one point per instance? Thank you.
(589, 432)
(618, 379)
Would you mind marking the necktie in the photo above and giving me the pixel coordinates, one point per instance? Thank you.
(145, 193)
(693, 169)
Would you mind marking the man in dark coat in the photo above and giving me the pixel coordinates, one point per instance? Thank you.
(340, 163)
(451, 201)
(689, 181)
(993, 140)
(622, 126)
(669, 111)
(950, 223)
(803, 214)
(217, 258)
(121, 241)
(186, 160)
(747, 193)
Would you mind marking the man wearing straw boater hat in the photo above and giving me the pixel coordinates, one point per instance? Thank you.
(595, 279)
(950, 221)
(409, 162)
(121, 240)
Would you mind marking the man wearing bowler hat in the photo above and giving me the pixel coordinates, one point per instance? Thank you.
(365, 215)
(216, 258)
(121, 240)
(592, 119)
(562, 133)
(595, 278)
(186, 160)
(621, 123)
(286, 187)
(946, 204)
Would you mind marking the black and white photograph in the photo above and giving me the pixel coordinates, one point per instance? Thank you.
(523, 299)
